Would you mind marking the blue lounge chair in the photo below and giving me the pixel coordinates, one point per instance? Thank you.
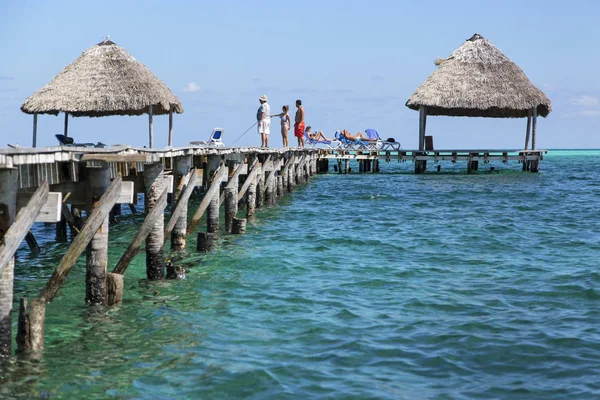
(350, 144)
(216, 139)
(376, 142)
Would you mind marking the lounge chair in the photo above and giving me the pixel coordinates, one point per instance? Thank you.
(69, 141)
(377, 143)
(216, 139)
(332, 144)
(350, 144)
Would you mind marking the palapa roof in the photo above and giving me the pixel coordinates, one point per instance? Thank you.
(477, 80)
(104, 80)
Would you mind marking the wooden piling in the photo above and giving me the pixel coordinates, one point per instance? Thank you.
(8, 207)
(155, 183)
(231, 195)
(181, 208)
(472, 165)
(260, 187)
(97, 249)
(61, 230)
(279, 185)
(96, 217)
(142, 233)
(181, 172)
(34, 247)
(238, 226)
(212, 212)
(205, 241)
(115, 289)
(208, 197)
(251, 198)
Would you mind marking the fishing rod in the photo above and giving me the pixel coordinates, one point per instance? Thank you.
(244, 133)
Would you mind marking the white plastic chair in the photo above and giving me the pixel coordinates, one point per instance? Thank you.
(216, 139)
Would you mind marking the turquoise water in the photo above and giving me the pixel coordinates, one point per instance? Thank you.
(442, 286)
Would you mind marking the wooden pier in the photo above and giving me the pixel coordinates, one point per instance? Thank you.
(55, 184)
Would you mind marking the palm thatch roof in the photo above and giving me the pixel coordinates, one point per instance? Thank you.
(477, 80)
(104, 80)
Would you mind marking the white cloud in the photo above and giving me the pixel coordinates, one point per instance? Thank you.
(586, 101)
(191, 87)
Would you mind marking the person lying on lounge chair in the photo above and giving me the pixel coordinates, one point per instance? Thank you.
(316, 136)
(355, 138)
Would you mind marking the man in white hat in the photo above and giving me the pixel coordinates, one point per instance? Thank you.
(264, 120)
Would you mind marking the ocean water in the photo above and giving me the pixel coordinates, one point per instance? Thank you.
(382, 286)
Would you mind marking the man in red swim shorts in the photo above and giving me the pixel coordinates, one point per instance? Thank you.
(299, 124)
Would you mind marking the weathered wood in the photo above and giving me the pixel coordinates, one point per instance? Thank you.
(205, 241)
(34, 144)
(97, 250)
(51, 209)
(66, 214)
(115, 288)
(30, 326)
(180, 209)
(528, 131)
(141, 234)
(170, 142)
(66, 131)
(251, 197)
(254, 169)
(238, 226)
(155, 182)
(234, 178)
(231, 206)
(279, 185)
(132, 208)
(533, 127)
(37, 316)
(208, 196)
(117, 157)
(422, 127)
(8, 208)
(23, 339)
(115, 214)
(96, 217)
(34, 247)
(61, 230)
(150, 132)
(177, 225)
(20, 227)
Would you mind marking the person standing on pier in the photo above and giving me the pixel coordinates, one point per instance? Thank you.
(263, 117)
(285, 123)
(299, 124)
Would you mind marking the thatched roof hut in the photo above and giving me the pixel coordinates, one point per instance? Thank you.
(477, 80)
(105, 80)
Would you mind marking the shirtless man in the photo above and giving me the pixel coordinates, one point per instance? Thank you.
(299, 124)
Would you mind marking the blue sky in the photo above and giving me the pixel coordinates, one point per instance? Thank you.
(353, 63)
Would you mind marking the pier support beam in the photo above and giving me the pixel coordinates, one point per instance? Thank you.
(212, 213)
(205, 241)
(181, 169)
(251, 198)
(231, 194)
(239, 226)
(8, 209)
(260, 186)
(97, 249)
(155, 257)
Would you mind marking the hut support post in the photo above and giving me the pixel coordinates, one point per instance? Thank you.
(8, 207)
(155, 183)
(97, 249)
(34, 144)
(528, 131)
(66, 124)
(533, 127)
(421, 165)
(181, 171)
(150, 133)
(171, 126)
